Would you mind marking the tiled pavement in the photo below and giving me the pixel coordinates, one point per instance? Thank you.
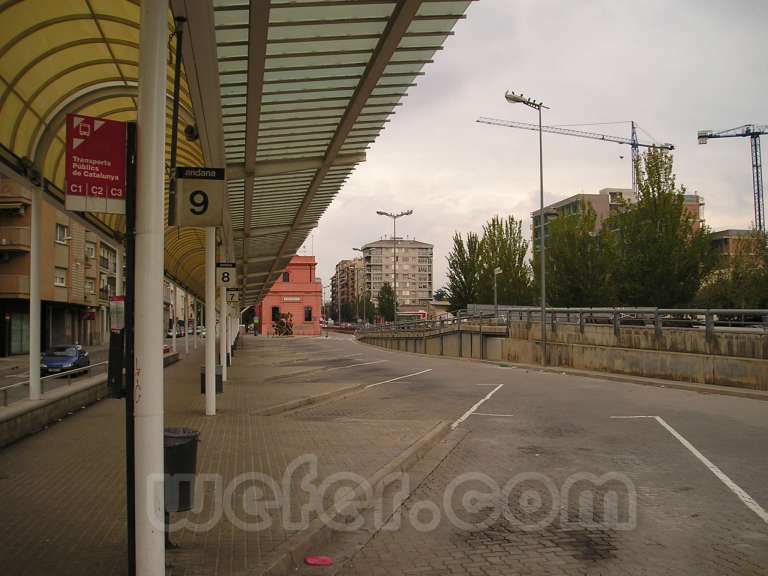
(62, 491)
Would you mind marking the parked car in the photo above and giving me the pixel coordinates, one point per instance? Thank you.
(62, 358)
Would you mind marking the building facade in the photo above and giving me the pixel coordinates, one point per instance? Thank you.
(299, 293)
(414, 272)
(348, 283)
(603, 203)
(79, 271)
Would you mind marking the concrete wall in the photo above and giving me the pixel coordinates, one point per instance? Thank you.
(730, 358)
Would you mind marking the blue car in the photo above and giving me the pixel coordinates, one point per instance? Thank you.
(63, 358)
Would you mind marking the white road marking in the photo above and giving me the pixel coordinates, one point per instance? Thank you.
(353, 365)
(489, 414)
(469, 412)
(398, 378)
(748, 501)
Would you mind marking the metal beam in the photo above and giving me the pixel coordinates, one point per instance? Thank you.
(397, 26)
(278, 167)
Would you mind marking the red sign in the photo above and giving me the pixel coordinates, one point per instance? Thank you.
(95, 176)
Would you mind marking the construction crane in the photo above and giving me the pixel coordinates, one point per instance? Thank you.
(753, 131)
(632, 141)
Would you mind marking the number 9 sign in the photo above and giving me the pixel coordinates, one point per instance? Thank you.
(199, 196)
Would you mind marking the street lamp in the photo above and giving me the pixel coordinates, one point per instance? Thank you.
(394, 247)
(513, 98)
(496, 272)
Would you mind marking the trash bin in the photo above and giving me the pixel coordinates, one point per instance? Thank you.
(219, 384)
(180, 457)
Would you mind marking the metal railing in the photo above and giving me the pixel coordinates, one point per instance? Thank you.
(708, 320)
(69, 374)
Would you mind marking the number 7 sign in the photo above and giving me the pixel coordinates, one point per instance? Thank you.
(226, 274)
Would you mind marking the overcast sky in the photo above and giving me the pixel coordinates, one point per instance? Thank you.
(674, 67)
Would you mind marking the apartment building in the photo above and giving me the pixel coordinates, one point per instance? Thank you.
(79, 271)
(603, 203)
(414, 271)
(348, 283)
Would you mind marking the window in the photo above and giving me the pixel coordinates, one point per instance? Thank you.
(89, 286)
(286, 276)
(275, 313)
(90, 250)
(307, 313)
(60, 276)
(62, 233)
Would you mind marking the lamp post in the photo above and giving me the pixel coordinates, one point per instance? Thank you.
(513, 98)
(394, 247)
(496, 272)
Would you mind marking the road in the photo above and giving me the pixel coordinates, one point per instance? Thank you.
(548, 473)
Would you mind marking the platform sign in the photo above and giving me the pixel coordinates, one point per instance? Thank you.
(233, 295)
(226, 274)
(200, 196)
(95, 165)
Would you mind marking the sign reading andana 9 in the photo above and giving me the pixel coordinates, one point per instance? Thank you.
(200, 196)
(95, 165)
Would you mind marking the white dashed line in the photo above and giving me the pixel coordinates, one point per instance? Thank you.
(489, 414)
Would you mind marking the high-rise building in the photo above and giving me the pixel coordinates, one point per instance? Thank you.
(414, 271)
(348, 283)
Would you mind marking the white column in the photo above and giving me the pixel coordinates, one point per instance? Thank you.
(34, 295)
(210, 321)
(148, 360)
(223, 332)
(186, 322)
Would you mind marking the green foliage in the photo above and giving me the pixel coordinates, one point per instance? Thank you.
(366, 309)
(440, 295)
(387, 302)
(580, 261)
(464, 265)
(503, 246)
(347, 311)
(743, 281)
(284, 325)
(660, 259)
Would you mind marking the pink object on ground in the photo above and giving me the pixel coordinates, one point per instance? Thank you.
(319, 560)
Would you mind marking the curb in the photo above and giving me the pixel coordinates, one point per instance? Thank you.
(625, 378)
(307, 401)
(290, 555)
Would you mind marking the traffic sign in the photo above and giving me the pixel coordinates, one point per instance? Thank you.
(226, 274)
(95, 165)
(200, 196)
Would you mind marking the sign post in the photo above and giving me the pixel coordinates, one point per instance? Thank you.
(95, 165)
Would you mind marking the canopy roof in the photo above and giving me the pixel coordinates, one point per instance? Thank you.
(287, 94)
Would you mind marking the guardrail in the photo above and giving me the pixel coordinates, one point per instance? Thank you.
(44, 379)
(709, 320)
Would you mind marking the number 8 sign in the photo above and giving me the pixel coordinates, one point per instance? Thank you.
(199, 196)
(226, 274)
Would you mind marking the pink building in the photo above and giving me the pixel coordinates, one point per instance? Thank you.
(297, 292)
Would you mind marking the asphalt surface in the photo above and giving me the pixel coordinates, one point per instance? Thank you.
(538, 475)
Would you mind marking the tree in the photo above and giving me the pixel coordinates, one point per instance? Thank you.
(387, 302)
(503, 246)
(580, 261)
(661, 257)
(743, 281)
(464, 265)
(347, 311)
(366, 308)
(440, 295)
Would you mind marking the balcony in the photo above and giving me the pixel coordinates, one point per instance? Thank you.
(14, 239)
(14, 285)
